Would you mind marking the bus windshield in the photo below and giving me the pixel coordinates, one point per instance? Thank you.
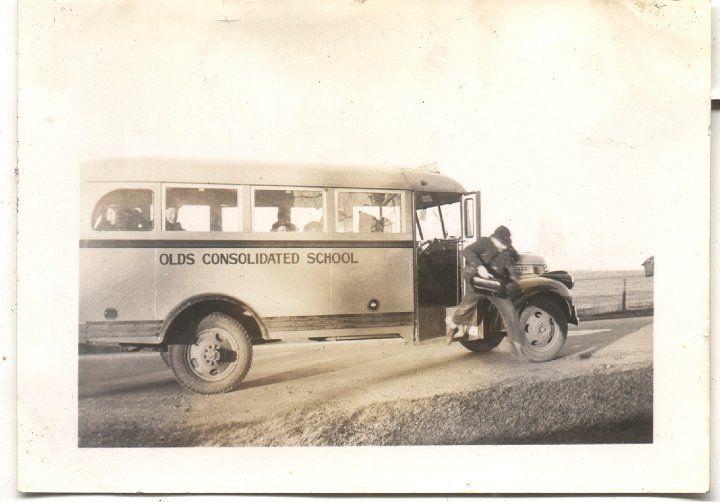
(439, 222)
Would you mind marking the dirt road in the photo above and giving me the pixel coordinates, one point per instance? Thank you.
(118, 392)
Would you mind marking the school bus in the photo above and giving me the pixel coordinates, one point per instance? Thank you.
(202, 260)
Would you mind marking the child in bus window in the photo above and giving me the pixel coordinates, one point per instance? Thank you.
(114, 218)
(281, 226)
(171, 222)
(313, 226)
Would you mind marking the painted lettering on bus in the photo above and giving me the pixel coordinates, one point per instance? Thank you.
(259, 258)
(250, 258)
(331, 258)
(177, 259)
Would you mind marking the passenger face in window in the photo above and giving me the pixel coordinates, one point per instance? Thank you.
(313, 226)
(171, 215)
(111, 216)
(123, 210)
(280, 226)
(171, 222)
(116, 218)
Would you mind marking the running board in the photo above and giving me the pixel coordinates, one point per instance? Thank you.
(345, 338)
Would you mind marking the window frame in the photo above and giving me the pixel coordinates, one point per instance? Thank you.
(403, 224)
(240, 206)
(152, 211)
(323, 190)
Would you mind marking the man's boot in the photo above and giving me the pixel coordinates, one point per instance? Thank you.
(450, 335)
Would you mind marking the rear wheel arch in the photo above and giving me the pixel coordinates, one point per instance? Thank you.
(180, 324)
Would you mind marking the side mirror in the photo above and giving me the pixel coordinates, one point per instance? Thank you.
(469, 213)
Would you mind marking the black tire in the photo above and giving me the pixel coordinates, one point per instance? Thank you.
(492, 332)
(165, 356)
(217, 360)
(492, 339)
(544, 331)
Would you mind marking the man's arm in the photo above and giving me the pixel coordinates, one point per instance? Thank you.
(473, 255)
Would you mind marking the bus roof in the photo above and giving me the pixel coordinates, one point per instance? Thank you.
(269, 174)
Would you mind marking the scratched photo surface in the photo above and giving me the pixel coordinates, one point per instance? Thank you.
(258, 222)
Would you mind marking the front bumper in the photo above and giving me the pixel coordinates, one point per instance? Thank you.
(573, 318)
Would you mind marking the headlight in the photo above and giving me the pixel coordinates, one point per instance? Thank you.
(540, 269)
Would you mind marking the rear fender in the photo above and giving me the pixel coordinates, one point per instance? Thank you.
(179, 324)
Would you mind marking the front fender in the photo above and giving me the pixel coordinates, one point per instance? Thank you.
(537, 286)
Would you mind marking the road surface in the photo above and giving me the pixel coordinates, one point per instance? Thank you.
(138, 387)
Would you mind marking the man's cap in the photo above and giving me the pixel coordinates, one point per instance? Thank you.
(502, 234)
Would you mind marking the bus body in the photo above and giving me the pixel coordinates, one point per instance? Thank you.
(203, 259)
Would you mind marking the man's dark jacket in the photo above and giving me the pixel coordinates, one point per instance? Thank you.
(498, 263)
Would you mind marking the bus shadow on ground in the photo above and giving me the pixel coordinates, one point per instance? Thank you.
(586, 346)
(168, 386)
(407, 372)
(311, 370)
(338, 389)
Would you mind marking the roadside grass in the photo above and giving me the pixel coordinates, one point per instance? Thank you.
(598, 408)
(595, 408)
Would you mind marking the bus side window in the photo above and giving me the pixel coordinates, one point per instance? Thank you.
(201, 209)
(368, 212)
(288, 210)
(124, 209)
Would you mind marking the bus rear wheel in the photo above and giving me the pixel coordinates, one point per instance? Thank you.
(218, 358)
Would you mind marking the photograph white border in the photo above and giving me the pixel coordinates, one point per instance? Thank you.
(49, 459)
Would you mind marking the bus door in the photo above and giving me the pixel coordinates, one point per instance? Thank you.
(470, 230)
(470, 218)
(439, 235)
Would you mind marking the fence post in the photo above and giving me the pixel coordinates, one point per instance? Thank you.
(624, 295)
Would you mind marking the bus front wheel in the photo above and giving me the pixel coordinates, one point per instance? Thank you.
(218, 358)
(544, 331)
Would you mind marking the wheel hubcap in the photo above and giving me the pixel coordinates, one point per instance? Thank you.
(540, 329)
(213, 355)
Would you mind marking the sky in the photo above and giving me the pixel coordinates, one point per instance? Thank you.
(562, 114)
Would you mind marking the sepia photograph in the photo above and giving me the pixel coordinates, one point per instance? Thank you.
(363, 247)
(248, 261)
